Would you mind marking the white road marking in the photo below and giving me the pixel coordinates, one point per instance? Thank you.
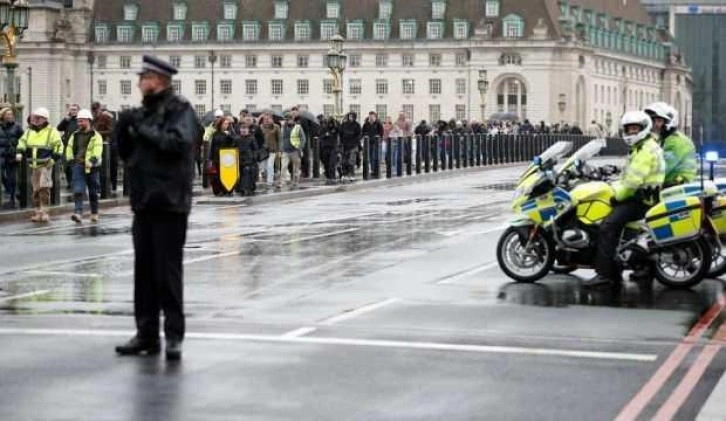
(58, 273)
(427, 346)
(26, 295)
(357, 312)
(299, 332)
(327, 234)
(212, 257)
(453, 278)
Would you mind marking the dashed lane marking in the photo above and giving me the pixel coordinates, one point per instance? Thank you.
(26, 295)
(357, 312)
(461, 275)
(299, 332)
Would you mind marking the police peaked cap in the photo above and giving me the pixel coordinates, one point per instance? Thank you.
(157, 65)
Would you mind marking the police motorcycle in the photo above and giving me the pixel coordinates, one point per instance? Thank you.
(557, 225)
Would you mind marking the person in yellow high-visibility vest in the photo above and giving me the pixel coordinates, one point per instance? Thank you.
(42, 145)
(85, 153)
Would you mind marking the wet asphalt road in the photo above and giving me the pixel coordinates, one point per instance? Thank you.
(379, 304)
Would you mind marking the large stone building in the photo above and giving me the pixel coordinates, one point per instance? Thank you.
(567, 60)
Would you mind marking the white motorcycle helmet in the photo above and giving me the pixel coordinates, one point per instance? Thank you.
(638, 118)
(664, 111)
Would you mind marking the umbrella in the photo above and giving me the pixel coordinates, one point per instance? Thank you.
(209, 117)
(277, 116)
(504, 117)
(313, 124)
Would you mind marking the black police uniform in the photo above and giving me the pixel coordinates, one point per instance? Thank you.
(156, 141)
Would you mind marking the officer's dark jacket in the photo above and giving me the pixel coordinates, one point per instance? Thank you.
(156, 142)
(9, 135)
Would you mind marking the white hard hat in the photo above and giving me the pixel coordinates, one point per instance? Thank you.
(639, 118)
(218, 113)
(42, 112)
(84, 113)
(664, 111)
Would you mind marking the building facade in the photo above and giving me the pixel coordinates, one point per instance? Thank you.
(545, 60)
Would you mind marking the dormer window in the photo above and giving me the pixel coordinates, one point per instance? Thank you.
(180, 11)
(381, 30)
(101, 32)
(225, 32)
(149, 33)
(250, 31)
(281, 8)
(302, 31)
(385, 8)
(131, 12)
(438, 9)
(199, 32)
(332, 10)
(327, 30)
(276, 31)
(492, 8)
(174, 32)
(124, 33)
(407, 30)
(513, 26)
(461, 29)
(354, 31)
(230, 11)
(435, 30)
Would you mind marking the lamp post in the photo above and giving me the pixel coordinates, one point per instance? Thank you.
(91, 58)
(335, 60)
(483, 85)
(609, 122)
(562, 106)
(13, 22)
(212, 59)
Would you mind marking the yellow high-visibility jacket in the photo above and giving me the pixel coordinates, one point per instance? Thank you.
(645, 168)
(94, 151)
(40, 146)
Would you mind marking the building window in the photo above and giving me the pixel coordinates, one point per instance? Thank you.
(355, 86)
(251, 61)
(382, 111)
(435, 60)
(512, 97)
(327, 30)
(385, 8)
(381, 60)
(461, 30)
(276, 86)
(327, 86)
(381, 86)
(124, 33)
(174, 33)
(175, 61)
(250, 31)
(303, 87)
(492, 8)
(276, 32)
(354, 60)
(176, 86)
(408, 111)
(407, 60)
(355, 108)
(227, 108)
(276, 61)
(438, 9)
(101, 62)
(225, 32)
(434, 113)
(434, 30)
(355, 31)
(251, 107)
(199, 33)
(180, 11)
(302, 31)
(101, 34)
(303, 60)
(461, 60)
(460, 86)
(328, 110)
(409, 86)
(435, 86)
(332, 10)
(225, 87)
(200, 87)
(407, 30)
(460, 111)
(380, 31)
(131, 12)
(201, 110)
(281, 9)
(230, 11)
(125, 87)
(250, 87)
(225, 61)
(200, 62)
(102, 87)
(125, 62)
(512, 26)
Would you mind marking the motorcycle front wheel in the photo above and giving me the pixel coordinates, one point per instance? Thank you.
(683, 265)
(718, 265)
(526, 262)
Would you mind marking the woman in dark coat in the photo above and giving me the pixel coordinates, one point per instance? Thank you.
(329, 143)
(248, 157)
(222, 138)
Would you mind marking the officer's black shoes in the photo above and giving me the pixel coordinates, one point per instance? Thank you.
(138, 346)
(173, 349)
(601, 281)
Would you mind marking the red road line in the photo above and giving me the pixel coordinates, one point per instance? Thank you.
(651, 388)
(689, 382)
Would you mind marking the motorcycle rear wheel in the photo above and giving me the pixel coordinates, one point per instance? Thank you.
(718, 265)
(684, 265)
(525, 265)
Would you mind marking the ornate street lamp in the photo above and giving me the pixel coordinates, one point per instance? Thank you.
(335, 60)
(13, 22)
(483, 85)
(562, 105)
(608, 122)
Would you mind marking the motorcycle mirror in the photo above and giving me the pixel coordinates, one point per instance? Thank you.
(537, 160)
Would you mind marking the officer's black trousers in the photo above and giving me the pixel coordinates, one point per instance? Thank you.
(610, 231)
(158, 243)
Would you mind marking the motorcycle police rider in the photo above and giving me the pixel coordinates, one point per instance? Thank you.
(634, 193)
(678, 149)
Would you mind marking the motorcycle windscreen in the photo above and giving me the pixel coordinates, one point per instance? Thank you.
(675, 219)
(229, 167)
(585, 153)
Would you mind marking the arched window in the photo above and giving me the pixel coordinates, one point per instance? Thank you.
(512, 97)
(512, 26)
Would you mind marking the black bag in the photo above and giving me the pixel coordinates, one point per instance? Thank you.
(262, 154)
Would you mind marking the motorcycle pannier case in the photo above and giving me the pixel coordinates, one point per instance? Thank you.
(718, 215)
(675, 219)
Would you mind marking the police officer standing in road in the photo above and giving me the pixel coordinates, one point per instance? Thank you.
(156, 141)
